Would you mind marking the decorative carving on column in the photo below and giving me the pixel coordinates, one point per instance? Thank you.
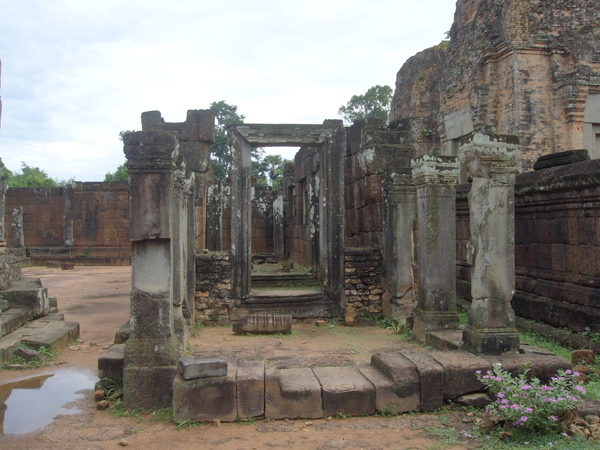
(492, 161)
(435, 178)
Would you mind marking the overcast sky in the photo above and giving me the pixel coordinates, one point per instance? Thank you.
(77, 72)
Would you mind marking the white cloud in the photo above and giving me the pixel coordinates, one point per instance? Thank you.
(75, 73)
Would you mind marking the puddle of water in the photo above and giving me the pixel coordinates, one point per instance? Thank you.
(31, 404)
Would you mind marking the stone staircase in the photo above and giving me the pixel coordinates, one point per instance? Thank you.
(298, 303)
(29, 318)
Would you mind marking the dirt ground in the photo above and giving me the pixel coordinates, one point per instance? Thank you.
(98, 298)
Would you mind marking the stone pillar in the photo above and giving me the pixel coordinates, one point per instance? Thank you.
(68, 216)
(435, 178)
(400, 214)
(492, 162)
(3, 189)
(214, 216)
(17, 237)
(179, 235)
(152, 351)
(240, 217)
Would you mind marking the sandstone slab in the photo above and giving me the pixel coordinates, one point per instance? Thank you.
(292, 393)
(431, 380)
(250, 388)
(405, 377)
(192, 368)
(459, 372)
(345, 391)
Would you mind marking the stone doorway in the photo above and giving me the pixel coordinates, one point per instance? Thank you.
(330, 139)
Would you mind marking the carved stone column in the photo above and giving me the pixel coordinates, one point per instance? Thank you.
(152, 351)
(400, 214)
(435, 178)
(492, 162)
(179, 237)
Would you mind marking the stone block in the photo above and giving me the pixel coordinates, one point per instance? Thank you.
(543, 367)
(405, 377)
(111, 364)
(250, 388)
(52, 334)
(149, 387)
(206, 399)
(264, 324)
(346, 391)
(385, 398)
(12, 319)
(292, 394)
(459, 372)
(585, 356)
(192, 368)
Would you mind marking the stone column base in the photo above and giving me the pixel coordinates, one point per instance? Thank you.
(148, 387)
(426, 321)
(490, 341)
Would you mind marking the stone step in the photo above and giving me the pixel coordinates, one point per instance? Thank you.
(110, 365)
(345, 390)
(52, 334)
(28, 293)
(300, 304)
(292, 394)
(12, 319)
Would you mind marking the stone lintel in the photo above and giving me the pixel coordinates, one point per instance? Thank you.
(489, 156)
(281, 135)
(490, 341)
(435, 170)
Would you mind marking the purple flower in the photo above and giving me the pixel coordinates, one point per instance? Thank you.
(514, 406)
(500, 394)
(580, 389)
(528, 410)
(526, 386)
(554, 418)
(546, 388)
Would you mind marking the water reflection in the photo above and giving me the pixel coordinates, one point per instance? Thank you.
(31, 404)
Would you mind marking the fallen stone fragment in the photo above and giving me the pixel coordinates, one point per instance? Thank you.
(102, 405)
(29, 355)
(123, 442)
(193, 368)
(216, 423)
(478, 400)
(584, 356)
(99, 395)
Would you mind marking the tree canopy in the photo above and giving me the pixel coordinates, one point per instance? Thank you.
(220, 151)
(29, 176)
(118, 175)
(373, 103)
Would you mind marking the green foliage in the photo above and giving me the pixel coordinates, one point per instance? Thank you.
(118, 175)
(526, 403)
(5, 174)
(373, 103)
(186, 424)
(269, 170)
(226, 115)
(30, 177)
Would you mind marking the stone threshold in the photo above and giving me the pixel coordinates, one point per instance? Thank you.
(400, 382)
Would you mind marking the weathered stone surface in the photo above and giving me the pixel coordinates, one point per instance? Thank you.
(28, 293)
(431, 379)
(250, 388)
(111, 364)
(206, 399)
(192, 368)
(403, 372)
(583, 357)
(477, 400)
(149, 387)
(52, 334)
(459, 372)
(542, 366)
(346, 391)
(12, 319)
(264, 324)
(561, 159)
(292, 393)
(29, 355)
(123, 334)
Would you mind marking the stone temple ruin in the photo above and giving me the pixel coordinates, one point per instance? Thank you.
(402, 220)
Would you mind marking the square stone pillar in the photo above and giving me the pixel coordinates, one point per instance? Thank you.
(17, 235)
(435, 178)
(400, 203)
(3, 189)
(152, 351)
(492, 162)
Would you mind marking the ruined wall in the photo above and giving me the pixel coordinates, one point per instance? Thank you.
(557, 240)
(524, 67)
(90, 220)
(213, 285)
(300, 188)
(373, 153)
(363, 285)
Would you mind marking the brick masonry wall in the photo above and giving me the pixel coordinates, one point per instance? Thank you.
(363, 288)
(213, 287)
(99, 213)
(557, 245)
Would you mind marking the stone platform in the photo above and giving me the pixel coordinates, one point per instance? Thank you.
(404, 381)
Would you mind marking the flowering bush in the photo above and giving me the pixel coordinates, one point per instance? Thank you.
(526, 402)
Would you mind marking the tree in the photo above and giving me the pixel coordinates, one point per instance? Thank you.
(373, 103)
(30, 177)
(220, 151)
(118, 175)
(4, 172)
